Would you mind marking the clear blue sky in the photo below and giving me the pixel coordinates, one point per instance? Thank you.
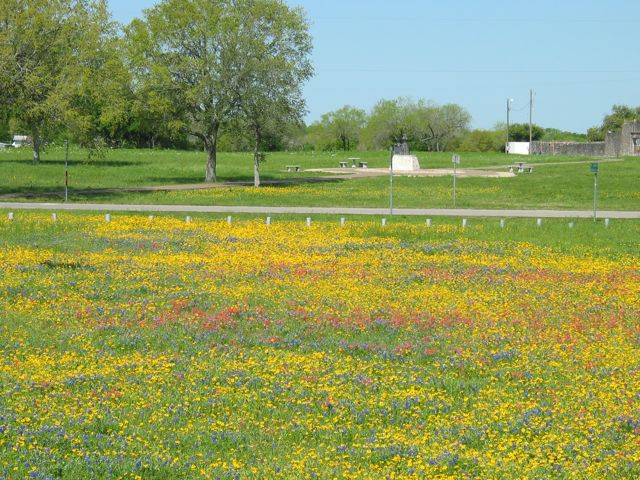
(579, 56)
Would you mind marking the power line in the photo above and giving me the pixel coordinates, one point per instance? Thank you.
(476, 20)
(394, 69)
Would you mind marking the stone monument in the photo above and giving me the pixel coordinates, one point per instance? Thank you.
(402, 159)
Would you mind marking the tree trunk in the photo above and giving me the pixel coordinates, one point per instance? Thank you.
(210, 175)
(211, 145)
(37, 142)
(256, 160)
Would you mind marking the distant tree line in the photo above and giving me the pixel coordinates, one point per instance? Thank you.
(426, 125)
(432, 127)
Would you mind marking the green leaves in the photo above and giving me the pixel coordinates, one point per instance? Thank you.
(61, 69)
(215, 64)
(613, 121)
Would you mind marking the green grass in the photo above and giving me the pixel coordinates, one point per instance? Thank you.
(557, 182)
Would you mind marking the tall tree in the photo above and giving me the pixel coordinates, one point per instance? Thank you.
(344, 126)
(389, 122)
(101, 96)
(613, 121)
(441, 125)
(199, 54)
(273, 61)
(184, 46)
(42, 47)
(519, 132)
(425, 124)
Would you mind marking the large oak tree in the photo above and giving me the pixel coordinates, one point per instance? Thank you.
(223, 62)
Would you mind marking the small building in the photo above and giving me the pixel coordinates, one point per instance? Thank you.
(20, 141)
(518, 148)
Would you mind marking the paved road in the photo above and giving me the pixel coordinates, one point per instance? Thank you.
(426, 212)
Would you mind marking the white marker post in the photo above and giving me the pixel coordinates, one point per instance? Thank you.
(384, 222)
(107, 217)
(502, 223)
(54, 217)
(539, 222)
(429, 222)
(11, 216)
(342, 221)
(268, 220)
(464, 223)
(229, 219)
(308, 221)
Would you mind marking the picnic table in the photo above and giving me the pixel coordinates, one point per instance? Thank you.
(520, 167)
(358, 161)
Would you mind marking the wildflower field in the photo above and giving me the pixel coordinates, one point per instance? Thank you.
(160, 349)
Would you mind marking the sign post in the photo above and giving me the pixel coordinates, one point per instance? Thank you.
(594, 170)
(456, 161)
(66, 171)
(391, 181)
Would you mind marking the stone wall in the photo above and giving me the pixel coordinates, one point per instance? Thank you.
(577, 149)
(613, 144)
(625, 142)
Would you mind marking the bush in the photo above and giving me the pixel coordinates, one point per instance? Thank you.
(481, 141)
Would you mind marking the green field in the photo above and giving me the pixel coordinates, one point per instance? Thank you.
(557, 182)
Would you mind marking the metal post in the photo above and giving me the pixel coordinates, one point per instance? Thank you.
(391, 181)
(66, 172)
(509, 100)
(454, 185)
(594, 170)
(456, 160)
(595, 196)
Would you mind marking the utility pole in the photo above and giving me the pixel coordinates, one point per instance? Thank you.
(530, 119)
(509, 101)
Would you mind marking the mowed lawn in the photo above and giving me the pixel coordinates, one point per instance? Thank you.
(158, 349)
(556, 182)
